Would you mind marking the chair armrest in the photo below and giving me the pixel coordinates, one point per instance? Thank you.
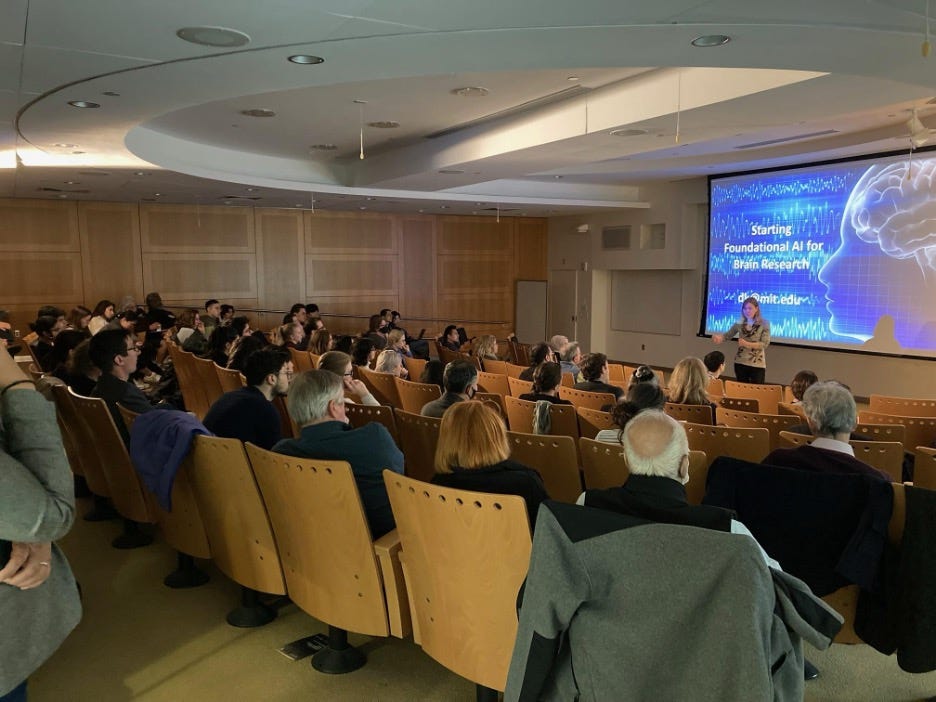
(387, 549)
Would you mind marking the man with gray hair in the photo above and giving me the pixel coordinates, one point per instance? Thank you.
(657, 454)
(832, 415)
(316, 403)
(559, 343)
(571, 358)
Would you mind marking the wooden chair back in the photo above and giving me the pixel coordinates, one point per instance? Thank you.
(464, 608)
(314, 358)
(302, 362)
(554, 458)
(788, 397)
(519, 353)
(742, 404)
(414, 366)
(492, 366)
(288, 427)
(208, 379)
(323, 540)
(519, 387)
(790, 439)
(902, 406)
(236, 520)
(792, 409)
(715, 388)
(230, 379)
(418, 438)
(603, 464)
(591, 421)
(918, 431)
(698, 474)
(495, 400)
(697, 414)
(493, 382)
(883, 432)
(775, 423)
(447, 355)
(924, 468)
(414, 395)
(562, 418)
(568, 380)
(617, 373)
(126, 490)
(382, 386)
(744, 443)
(583, 398)
(514, 371)
(768, 396)
(359, 415)
(78, 446)
(193, 394)
(883, 455)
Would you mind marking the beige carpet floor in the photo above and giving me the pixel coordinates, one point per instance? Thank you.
(139, 640)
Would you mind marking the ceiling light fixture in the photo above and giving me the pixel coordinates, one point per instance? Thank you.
(573, 78)
(306, 59)
(213, 36)
(83, 104)
(471, 91)
(384, 124)
(111, 93)
(627, 132)
(708, 40)
(65, 146)
(258, 112)
(451, 171)
(72, 182)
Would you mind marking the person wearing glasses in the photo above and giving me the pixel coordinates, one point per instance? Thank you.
(248, 413)
(340, 364)
(116, 353)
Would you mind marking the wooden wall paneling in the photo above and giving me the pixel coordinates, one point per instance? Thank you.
(38, 225)
(530, 249)
(199, 276)
(341, 275)
(417, 268)
(475, 235)
(197, 228)
(280, 258)
(111, 260)
(41, 278)
(350, 233)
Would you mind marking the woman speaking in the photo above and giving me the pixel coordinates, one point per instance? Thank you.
(753, 331)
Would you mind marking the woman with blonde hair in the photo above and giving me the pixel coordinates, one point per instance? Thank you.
(320, 342)
(396, 341)
(688, 383)
(485, 348)
(473, 454)
(753, 332)
(389, 361)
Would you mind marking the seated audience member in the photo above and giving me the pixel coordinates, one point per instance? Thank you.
(390, 361)
(363, 352)
(546, 381)
(396, 342)
(46, 329)
(801, 381)
(460, 380)
(227, 314)
(339, 363)
(127, 320)
(103, 313)
(595, 374)
(246, 345)
(540, 353)
(559, 343)
(657, 453)
(190, 332)
(8, 338)
(212, 316)
(473, 454)
(319, 342)
(571, 359)
(485, 348)
(643, 374)
(65, 343)
(157, 316)
(343, 343)
(688, 384)
(220, 344)
(317, 405)
(714, 364)
(115, 352)
(450, 338)
(432, 373)
(248, 413)
(312, 310)
(313, 324)
(375, 332)
(240, 325)
(80, 374)
(640, 397)
(832, 416)
(289, 336)
(297, 313)
(78, 319)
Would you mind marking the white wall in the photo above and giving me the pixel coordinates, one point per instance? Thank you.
(682, 207)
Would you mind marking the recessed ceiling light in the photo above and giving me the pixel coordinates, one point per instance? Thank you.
(252, 190)
(384, 124)
(213, 36)
(471, 91)
(573, 78)
(362, 207)
(141, 173)
(72, 182)
(65, 146)
(450, 171)
(627, 132)
(443, 207)
(371, 199)
(85, 104)
(259, 112)
(323, 147)
(157, 194)
(557, 177)
(306, 59)
(707, 40)
(111, 93)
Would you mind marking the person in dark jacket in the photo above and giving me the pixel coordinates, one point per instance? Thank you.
(115, 352)
(546, 380)
(460, 381)
(595, 372)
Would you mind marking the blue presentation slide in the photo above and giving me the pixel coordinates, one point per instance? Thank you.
(840, 255)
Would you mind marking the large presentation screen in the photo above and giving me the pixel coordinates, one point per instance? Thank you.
(839, 255)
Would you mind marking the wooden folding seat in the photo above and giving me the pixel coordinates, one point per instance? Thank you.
(492, 366)
(413, 396)
(715, 388)
(788, 397)
(882, 432)
(414, 367)
(603, 464)
(554, 458)
(208, 379)
(313, 359)
(738, 442)
(493, 382)
(519, 387)
(790, 439)
(583, 398)
(447, 355)
(329, 557)
(514, 370)
(495, 400)
(193, 393)
(562, 418)
(924, 468)
(698, 474)
(301, 360)
(230, 379)
(85, 456)
(768, 396)
(519, 353)
(918, 431)
(775, 423)
(591, 421)
(618, 374)
(381, 385)
(884, 455)
(465, 555)
(288, 427)
(902, 406)
(698, 414)
(792, 409)
(359, 415)
(418, 438)
(741, 404)
(568, 380)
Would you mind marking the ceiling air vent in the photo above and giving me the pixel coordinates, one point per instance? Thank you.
(616, 237)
